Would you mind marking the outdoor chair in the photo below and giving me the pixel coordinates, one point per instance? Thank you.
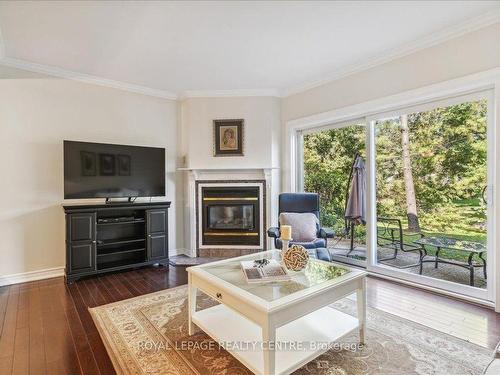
(390, 236)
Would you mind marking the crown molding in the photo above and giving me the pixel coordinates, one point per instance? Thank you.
(433, 39)
(86, 78)
(229, 93)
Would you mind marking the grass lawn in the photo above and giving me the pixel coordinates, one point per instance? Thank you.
(460, 219)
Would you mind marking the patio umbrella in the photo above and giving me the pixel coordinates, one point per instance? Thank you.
(355, 210)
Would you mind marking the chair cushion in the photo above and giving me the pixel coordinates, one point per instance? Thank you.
(304, 225)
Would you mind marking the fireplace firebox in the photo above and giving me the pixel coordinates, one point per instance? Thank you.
(230, 216)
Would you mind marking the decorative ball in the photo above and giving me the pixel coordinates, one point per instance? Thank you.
(295, 258)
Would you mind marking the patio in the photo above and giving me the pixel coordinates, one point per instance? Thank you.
(447, 272)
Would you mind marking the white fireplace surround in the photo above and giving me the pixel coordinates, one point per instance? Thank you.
(271, 178)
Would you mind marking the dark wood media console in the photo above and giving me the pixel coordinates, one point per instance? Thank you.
(102, 238)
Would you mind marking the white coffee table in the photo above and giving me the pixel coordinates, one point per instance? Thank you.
(293, 315)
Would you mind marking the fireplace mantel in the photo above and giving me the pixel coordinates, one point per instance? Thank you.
(224, 169)
(269, 175)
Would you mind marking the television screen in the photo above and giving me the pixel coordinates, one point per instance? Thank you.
(99, 170)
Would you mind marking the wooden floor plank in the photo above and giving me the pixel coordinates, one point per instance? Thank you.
(117, 292)
(4, 297)
(20, 362)
(8, 337)
(37, 363)
(83, 300)
(84, 351)
(60, 351)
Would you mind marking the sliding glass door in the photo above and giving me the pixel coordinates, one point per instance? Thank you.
(426, 184)
(431, 185)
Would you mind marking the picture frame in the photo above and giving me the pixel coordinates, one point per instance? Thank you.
(228, 137)
(88, 162)
(107, 165)
(124, 164)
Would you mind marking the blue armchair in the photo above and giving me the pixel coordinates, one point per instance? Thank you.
(301, 203)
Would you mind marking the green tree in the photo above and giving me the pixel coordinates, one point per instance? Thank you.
(447, 149)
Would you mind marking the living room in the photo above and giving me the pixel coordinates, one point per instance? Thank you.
(242, 187)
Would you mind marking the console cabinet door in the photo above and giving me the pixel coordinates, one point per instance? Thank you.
(82, 257)
(157, 224)
(157, 221)
(157, 246)
(81, 242)
(81, 227)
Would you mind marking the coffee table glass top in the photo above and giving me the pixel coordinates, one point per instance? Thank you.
(452, 243)
(316, 273)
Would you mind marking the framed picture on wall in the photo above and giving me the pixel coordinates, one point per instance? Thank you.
(228, 137)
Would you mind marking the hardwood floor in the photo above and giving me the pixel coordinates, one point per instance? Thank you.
(46, 328)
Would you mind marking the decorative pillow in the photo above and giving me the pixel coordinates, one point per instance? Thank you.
(304, 225)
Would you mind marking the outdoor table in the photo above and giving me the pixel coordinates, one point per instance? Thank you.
(470, 247)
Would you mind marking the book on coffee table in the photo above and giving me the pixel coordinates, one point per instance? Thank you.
(258, 273)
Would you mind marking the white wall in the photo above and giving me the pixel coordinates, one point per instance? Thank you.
(261, 134)
(36, 114)
(471, 53)
(262, 145)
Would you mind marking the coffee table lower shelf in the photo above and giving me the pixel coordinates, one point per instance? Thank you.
(325, 325)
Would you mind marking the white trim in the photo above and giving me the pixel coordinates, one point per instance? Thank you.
(31, 276)
(432, 289)
(86, 78)
(427, 41)
(229, 93)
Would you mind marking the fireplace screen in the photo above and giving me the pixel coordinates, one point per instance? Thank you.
(231, 217)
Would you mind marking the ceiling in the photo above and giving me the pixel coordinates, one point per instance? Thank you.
(193, 47)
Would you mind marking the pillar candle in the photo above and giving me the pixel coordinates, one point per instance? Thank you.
(286, 232)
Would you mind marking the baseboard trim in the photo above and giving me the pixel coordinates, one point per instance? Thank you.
(31, 276)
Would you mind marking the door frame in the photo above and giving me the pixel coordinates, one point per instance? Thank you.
(361, 121)
(372, 265)
(471, 84)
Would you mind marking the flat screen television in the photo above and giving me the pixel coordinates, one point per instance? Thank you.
(100, 170)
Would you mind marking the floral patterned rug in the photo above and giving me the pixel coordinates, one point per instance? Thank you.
(148, 335)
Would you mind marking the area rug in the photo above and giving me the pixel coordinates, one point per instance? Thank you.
(149, 335)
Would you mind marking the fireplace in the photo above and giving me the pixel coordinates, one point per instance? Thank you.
(231, 215)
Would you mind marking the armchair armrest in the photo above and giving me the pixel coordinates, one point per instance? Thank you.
(273, 232)
(326, 233)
